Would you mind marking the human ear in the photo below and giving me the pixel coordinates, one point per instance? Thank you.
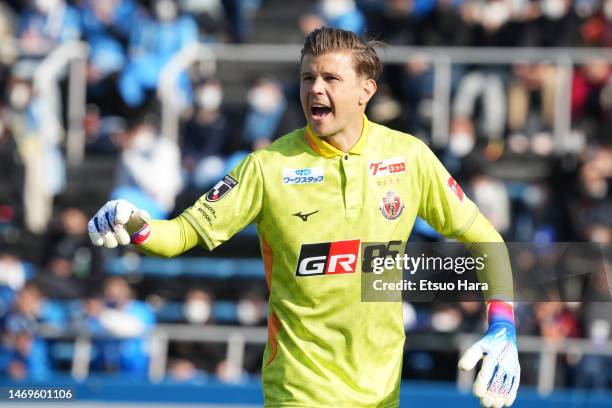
(368, 89)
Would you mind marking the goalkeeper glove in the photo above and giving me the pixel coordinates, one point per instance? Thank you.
(119, 222)
(498, 380)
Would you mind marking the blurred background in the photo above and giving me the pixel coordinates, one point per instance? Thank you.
(154, 101)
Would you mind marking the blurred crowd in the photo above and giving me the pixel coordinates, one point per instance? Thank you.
(501, 147)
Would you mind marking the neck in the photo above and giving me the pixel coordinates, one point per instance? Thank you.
(347, 137)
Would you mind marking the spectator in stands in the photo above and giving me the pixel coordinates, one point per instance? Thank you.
(31, 304)
(596, 30)
(228, 373)
(182, 370)
(491, 196)
(45, 173)
(149, 171)
(198, 307)
(210, 17)
(473, 319)
(240, 14)
(109, 19)
(194, 359)
(446, 318)
(590, 202)
(266, 107)
(8, 51)
(23, 355)
(102, 132)
(394, 21)
(11, 169)
(592, 370)
(206, 136)
(385, 108)
(106, 28)
(417, 88)
(153, 42)
(126, 322)
(251, 308)
(13, 278)
(73, 265)
(443, 26)
(342, 14)
(592, 100)
(535, 219)
(487, 85)
(531, 102)
(46, 24)
(556, 322)
(558, 25)
(488, 20)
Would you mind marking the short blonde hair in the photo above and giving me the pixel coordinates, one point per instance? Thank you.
(324, 40)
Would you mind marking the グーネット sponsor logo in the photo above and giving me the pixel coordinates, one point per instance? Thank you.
(387, 167)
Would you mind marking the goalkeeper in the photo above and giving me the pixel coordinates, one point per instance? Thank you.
(315, 194)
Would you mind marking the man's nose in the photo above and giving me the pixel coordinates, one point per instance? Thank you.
(318, 86)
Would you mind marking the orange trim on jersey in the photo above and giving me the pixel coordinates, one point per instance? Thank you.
(266, 250)
(310, 141)
(273, 328)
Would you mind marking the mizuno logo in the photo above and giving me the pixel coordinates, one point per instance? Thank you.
(304, 217)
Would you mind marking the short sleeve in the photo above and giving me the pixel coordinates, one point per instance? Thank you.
(443, 203)
(233, 203)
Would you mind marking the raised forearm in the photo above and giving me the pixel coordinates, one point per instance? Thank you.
(170, 238)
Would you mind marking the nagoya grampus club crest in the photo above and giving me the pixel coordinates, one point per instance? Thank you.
(392, 206)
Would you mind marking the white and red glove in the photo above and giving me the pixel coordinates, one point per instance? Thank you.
(119, 222)
(498, 380)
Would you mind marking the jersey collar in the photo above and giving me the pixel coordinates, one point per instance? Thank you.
(326, 150)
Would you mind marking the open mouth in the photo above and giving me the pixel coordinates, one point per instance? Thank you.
(320, 112)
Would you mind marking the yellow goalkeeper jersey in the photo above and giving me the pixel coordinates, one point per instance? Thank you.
(313, 206)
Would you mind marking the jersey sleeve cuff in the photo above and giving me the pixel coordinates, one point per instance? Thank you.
(210, 244)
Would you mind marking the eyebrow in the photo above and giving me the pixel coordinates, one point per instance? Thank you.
(303, 73)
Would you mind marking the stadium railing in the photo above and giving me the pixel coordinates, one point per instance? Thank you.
(237, 337)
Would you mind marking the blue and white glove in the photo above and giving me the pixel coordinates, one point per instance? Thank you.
(498, 380)
(119, 222)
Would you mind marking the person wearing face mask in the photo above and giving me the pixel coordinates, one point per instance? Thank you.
(46, 24)
(487, 85)
(149, 170)
(266, 105)
(153, 42)
(198, 307)
(206, 136)
(558, 25)
(342, 14)
(106, 27)
(125, 322)
(45, 170)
